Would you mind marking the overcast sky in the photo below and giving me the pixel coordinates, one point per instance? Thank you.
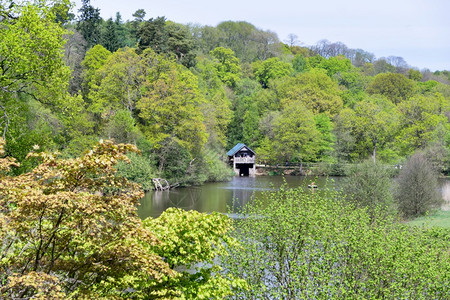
(417, 30)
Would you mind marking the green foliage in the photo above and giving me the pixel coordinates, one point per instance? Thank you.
(191, 243)
(335, 65)
(249, 43)
(170, 107)
(297, 245)
(314, 89)
(122, 128)
(227, 65)
(95, 58)
(270, 69)
(74, 222)
(395, 87)
(140, 169)
(152, 34)
(419, 118)
(217, 106)
(369, 185)
(325, 128)
(165, 37)
(296, 136)
(110, 38)
(89, 23)
(417, 191)
(299, 63)
(414, 75)
(374, 125)
(31, 60)
(117, 82)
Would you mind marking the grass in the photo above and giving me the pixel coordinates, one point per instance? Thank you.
(439, 218)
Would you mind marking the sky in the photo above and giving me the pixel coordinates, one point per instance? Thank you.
(417, 30)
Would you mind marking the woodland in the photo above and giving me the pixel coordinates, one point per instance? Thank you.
(92, 109)
(186, 94)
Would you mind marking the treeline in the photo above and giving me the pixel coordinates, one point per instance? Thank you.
(184, 94)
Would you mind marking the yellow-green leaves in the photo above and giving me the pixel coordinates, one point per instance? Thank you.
(191, 242)
(75, 218)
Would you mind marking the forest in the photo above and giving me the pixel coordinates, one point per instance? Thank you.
(92, 109)
(186, 94)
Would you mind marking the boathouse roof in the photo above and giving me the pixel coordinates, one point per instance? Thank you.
(238, 148)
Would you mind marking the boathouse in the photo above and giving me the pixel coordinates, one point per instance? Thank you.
(242, 159)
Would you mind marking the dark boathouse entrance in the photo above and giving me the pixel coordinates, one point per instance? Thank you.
(242, 159)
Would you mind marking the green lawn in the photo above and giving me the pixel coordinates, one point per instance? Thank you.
(439, 218)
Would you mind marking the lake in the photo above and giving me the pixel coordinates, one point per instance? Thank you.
(220, 196)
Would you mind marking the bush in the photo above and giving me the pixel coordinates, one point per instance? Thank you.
(417, 187)
(302, 245)
(369, 185)
(140, 170)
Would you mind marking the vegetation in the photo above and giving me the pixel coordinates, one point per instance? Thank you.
(417, 190)
(69, 228)
(181, 95)
(186, 94)
(298, 244)
(369, 185)
(439, 218)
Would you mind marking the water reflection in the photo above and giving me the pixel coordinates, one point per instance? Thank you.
(221, 196)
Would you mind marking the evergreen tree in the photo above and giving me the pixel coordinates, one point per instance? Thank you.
(153, 34)
(110, 39)
(89, 22)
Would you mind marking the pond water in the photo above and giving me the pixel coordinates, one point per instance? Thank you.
(221, 196)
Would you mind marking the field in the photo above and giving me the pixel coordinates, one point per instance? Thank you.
(439, 218)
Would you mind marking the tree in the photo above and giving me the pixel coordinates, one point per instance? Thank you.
(292, 40)
(93, 60)
(118, 81)
(153, 34)
(89, 22)
(335, 65)
(296, 135)
(299, 63)
(414, 75)
(375, 125)
(110, 38)
(74, 222)
(369, 185)
(217, 107)
(417, 187)
(318, 92)
(170, 106)
(74, 52)
(396, 87)
(382, 66)
(180, 44)
(419, 117)
(31, 58)
(345, 141)
(326, 142)
(194, 241)
(270, 69)
(227, 65)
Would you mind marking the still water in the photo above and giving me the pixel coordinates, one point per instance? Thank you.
(221, 196)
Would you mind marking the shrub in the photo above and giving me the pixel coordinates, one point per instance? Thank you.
(302, 245)
(369, 185)
(417, 187)
(140, 170)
